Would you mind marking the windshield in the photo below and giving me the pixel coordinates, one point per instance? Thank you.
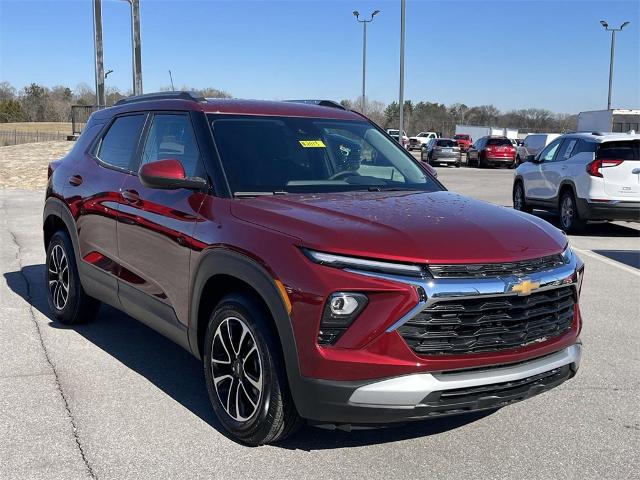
(308, 155)
(461, 137)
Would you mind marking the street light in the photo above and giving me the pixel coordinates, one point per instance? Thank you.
(613, 46)
(364, 48)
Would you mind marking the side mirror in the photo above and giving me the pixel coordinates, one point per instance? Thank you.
(168, 175)
(531, 158)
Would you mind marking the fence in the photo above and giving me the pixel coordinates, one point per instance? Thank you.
(80, 116)
(15, 137)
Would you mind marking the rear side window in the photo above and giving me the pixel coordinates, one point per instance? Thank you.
(171, 136)
(535, 141)
(119, 145)
(446, 143)
(499, 141)
(622, 150)
(584, 146)
(566, 150)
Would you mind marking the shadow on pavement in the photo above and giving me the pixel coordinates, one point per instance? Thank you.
(177, 373)
(627, 257)
(596, 229)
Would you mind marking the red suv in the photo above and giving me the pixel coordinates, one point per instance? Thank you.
(492, 151)
(317, 270)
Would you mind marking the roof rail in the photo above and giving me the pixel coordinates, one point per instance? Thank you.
(321, 103)
(191, 96)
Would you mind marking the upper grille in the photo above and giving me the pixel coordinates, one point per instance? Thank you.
(473, 325)
(481, 270)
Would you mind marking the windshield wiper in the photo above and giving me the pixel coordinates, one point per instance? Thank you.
(375, 188)
(259, 194)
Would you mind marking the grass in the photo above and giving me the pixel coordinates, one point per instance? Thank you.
(43, 127)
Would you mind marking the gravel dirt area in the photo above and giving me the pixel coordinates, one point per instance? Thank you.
(25, 166)
(45, 127)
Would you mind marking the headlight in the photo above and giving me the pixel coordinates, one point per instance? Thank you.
(355, 263)
(568, 254)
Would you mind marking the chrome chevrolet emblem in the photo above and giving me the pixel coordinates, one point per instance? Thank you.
(525, 287)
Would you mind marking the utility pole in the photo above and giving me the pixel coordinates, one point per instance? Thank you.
(136, 52)
(364, 51)
(611, 58)
(98, 52)
(401, 99)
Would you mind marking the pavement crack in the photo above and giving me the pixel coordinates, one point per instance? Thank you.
(47, 357)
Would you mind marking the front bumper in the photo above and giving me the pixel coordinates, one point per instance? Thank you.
(426, 395)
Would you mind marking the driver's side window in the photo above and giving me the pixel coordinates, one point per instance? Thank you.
(550, 151)
(172, 136)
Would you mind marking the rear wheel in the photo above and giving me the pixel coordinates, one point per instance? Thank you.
(480, 163)
(245, 374)
(67, 299)
(519, 200)
(569, 217)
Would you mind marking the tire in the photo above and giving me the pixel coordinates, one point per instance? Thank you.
(458, 163)
(570, 220)
(67, 300)
(250, 394)
(480, 163)
(519, 199)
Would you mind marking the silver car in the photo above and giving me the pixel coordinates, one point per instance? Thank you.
(441, 151)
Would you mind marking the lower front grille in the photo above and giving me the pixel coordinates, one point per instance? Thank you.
(495, 395)
(473, 325)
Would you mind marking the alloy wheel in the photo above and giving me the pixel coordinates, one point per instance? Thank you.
(517, 198)
(236, 369)
(567, 212)
(58, 277)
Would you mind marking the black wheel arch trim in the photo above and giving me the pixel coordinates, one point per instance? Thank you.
(222, 261)
(94, 281)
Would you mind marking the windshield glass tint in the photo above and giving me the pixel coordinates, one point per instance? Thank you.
(446, 143)
(306, 155)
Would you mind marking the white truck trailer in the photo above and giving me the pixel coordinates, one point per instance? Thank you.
(477, 133)
(614, 120)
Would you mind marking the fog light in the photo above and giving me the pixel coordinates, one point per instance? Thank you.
(343, 304)
(341, 309)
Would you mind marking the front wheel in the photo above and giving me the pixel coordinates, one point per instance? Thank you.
(67, 300)
(569, 217)
(245, 374)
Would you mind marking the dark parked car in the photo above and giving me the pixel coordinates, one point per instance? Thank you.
(492, 151)
(312, 265)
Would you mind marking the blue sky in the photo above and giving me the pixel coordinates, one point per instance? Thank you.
(513, 54)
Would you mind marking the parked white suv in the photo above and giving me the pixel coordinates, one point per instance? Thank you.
(582, 176)
(532, 145)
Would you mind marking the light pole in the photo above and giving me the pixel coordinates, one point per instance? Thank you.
(613, 47)
(364, 49)
(401, 96)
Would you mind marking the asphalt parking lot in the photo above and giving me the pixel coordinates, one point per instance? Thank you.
(114, 400)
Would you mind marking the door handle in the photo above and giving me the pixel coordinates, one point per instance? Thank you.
(635, 170)
(131, 196)
(75, 180)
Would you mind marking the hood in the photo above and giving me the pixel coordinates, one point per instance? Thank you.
(438, 227)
